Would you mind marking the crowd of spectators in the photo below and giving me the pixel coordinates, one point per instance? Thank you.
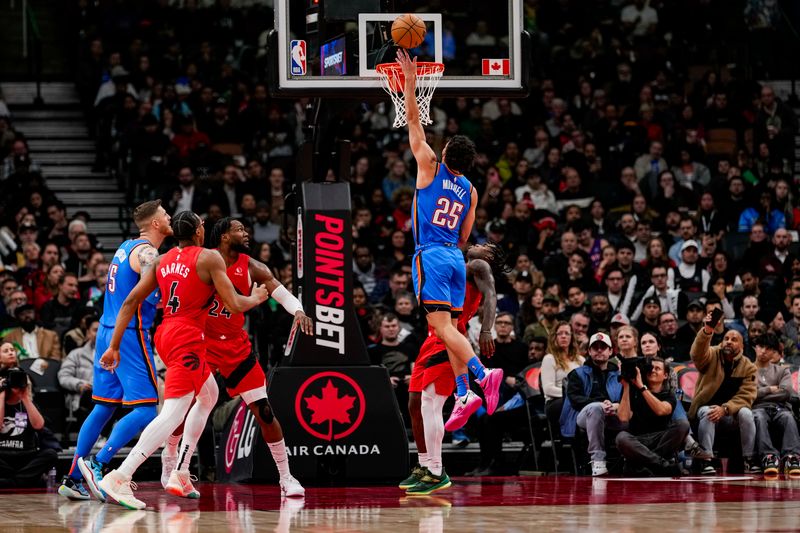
(641, 183)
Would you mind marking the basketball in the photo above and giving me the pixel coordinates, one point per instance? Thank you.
(408, 31)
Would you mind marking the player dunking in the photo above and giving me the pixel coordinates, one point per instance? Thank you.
(442, 216)
(229, 349)
(187, 277)
(134, 382)
(432, 376)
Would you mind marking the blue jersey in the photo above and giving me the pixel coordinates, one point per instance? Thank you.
(120, 282)
(440, 208)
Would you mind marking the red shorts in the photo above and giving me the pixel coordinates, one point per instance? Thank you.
(440, 374)
(238, 364)
(182, 348)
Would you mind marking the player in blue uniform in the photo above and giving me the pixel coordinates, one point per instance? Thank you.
(133, 384)
(442, 217)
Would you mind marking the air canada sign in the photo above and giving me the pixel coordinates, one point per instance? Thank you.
(330, 406)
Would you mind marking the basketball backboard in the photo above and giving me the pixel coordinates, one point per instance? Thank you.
(331, 47)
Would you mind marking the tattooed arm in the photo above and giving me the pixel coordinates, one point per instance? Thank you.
(143, 257)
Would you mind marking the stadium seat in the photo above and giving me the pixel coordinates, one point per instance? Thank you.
(687, 379)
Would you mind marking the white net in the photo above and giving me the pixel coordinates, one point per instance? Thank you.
(428, 76)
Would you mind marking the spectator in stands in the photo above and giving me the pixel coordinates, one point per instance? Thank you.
(635, 275)
(792, 328)
(766, 212)
(78, 336)
(19, 155)
(626, 341)
(547, 323)
(579, 322)
(724, 393)
(395, 351)
(58, 233)
(688, 231)
(562, 357)
(672, 300)
(653, 437)
(599, 313)
(523, 285)
(649, 166)
(780, 261)
(78, 253)
(397, 177)
(593, 395)
(689, 276)
(748, 310)
(537, 349)
(77, 370)
(32, 340)
(618, 296)
(672, 349)
(772, 411)
(22, 460)
(187, 196)
(16, 299)
(57, 314)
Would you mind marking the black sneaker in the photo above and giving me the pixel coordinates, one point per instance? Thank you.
(751, 466)
(769, 465)
(417, 473)
(792, 467)
(707, 469)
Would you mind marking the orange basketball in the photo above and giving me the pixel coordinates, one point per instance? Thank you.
(408, 31)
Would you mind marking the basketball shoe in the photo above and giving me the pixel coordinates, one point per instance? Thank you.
(490, 384)
(168, 464)
(73, 490)
(463, 409)
(417, 473)
(120, 488)
(180, 484)
(93, 474)
(430, 483)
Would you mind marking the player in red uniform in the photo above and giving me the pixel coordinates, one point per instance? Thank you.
(229, 349)
(432, 379)
(187, 277)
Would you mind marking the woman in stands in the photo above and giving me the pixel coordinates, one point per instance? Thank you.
(561, 358)
(720, 268)
(626, 341)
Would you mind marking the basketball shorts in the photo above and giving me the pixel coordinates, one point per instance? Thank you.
(440, 279)
(238, 364)
(133, 382)
(435, 370)
(182, 347)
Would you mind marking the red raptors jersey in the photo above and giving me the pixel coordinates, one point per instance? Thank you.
(186, 297)
(221, 323)
(433, 344)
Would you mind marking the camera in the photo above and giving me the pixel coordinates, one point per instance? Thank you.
(14, 379)
(628, 368)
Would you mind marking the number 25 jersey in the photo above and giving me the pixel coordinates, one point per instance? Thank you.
(440, 208)
(185, 296)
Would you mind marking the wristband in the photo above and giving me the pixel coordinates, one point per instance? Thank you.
(287, 300)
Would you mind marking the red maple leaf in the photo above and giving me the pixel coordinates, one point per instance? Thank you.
(330, 407)
(495, 66)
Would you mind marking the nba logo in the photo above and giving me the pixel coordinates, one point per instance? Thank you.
(298, 58)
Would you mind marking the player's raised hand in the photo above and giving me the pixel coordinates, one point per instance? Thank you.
(304, 322)
(110, 359)
(408, 65)
(260, 292)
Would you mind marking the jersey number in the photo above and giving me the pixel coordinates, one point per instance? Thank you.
(112, 278)
(213, 310)
(447, 215)
(173, 302)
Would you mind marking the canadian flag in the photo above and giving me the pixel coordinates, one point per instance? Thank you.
(496, 67)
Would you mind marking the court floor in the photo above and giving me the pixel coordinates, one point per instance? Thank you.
(514, 504)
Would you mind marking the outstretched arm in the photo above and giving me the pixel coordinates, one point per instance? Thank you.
(484, 280)
(423, 153)
(236, 303)
(261, 275)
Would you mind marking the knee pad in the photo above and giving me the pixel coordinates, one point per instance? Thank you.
(264, 410)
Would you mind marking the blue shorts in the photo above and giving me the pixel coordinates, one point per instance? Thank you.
(133, 382)
(440, 279)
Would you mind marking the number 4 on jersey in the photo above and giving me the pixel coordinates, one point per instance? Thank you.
(173, 302)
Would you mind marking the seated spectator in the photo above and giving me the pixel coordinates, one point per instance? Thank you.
(77, 371)
(562, 357)
(32, 340)
(772, 217)
(672, 300)
(771, 409)
(41, 293)
(689, 276)
(653, 436)
(94, 294)
(593, 395)
(78, 336)
(548, 321)
(749, 310)
(651, 310)
(58, 313)
(22, 462)
(672, 349)
(537, 349)
(724, 393)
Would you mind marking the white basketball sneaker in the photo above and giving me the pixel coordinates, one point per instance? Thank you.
(291, 488)
(120, 488)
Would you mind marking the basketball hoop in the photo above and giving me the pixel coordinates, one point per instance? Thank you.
(428, 76)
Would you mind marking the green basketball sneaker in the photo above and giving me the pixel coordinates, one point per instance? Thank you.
(417, 473)
(430, 483)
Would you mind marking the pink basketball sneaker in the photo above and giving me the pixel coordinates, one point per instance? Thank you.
(462, 410)
(491, 388)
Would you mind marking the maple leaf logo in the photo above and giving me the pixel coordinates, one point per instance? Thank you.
(496, 66)
(330, 407)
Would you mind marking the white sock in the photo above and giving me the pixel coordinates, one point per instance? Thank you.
(156, 433)
(172, 444)
(196, 422)
(278, 451)
(424, 458)
(432, 404)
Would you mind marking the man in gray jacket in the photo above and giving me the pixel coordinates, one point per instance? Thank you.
(771, 409)
(75, 374)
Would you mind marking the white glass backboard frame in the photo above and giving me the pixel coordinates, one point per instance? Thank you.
(368, 83)
(365, 18)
